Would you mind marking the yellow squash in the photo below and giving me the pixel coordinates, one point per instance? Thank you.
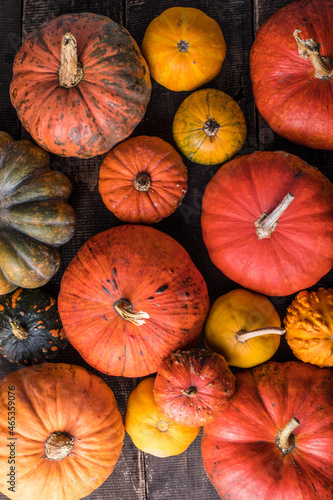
(149, 429)
(244, 327)
(209, 127)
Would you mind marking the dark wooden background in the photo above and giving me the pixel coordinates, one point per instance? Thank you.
(140, 476)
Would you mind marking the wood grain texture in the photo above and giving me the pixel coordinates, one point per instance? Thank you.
(138, 476)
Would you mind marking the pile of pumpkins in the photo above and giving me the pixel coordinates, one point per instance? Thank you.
(126, 304)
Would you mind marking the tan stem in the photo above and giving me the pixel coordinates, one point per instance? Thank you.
(243, 336)
(310, 49)
(266, 223)
(58, 446)
(70, 69)
(124, 308)
(19, 332)
(190, 391)
(285, 440)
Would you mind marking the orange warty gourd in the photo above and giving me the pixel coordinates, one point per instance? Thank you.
(275, 439)
(193, 387)
(150, 430)
(130, 297)
(142, 180)
(267, 222)
(209, 127)
(184, 48)
(244, 327)
(66, 432)
(80, 84)
(309, 326)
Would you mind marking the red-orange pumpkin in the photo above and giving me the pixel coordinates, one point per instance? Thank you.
(267, 222)
(291, 72)
(142, 180)
(130, 297)
(193, 387)
(80, 84)
(275, 439)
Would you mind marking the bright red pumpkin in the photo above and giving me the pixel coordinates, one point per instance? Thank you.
(193, 387)
(81, 109)
(273, 253)
(142, 180)
(249, 451)
(291, 71)
(130, 297)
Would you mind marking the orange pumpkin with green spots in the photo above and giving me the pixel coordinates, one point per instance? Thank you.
(80, 85)
(30, 327)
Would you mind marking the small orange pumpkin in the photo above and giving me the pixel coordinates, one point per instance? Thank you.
(209, 127)
(309, 326)
(150, 430)
(184, 48)
(142, 180)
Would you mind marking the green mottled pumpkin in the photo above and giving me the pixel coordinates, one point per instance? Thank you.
(30, 327)
(35, 217)
(80, 84)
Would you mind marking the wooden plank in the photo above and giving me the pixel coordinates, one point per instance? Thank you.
(10, 41)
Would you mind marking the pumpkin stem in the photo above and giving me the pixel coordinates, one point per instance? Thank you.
(190, 391)
(243, 336)
(211, 127)
(183, 46)
(58, 445)
(162, 426)
(310, 49)
(142, 181)
(285, 440)
(70, 69)
(18, 330)
(125, 309)
(266, 223)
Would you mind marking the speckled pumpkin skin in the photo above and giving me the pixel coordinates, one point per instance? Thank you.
(35, 217)
(228, 128)
(156, 275)
(193, 387)
(103, 109)
(36, 312)
(309, 326)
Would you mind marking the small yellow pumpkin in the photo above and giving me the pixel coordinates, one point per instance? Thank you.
(150, 430)
(184, 48)
(209, 127)
(244, 327)
(309, 326)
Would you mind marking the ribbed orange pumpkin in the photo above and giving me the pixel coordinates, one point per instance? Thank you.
(142, 180)
(130, 297)
(80, 84)
(61, 428)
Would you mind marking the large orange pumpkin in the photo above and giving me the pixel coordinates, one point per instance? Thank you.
(130, 297)
(275, 439)
(80, 84)
(61, 432)
(267, 222)
(142, 180)
(184, 48)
